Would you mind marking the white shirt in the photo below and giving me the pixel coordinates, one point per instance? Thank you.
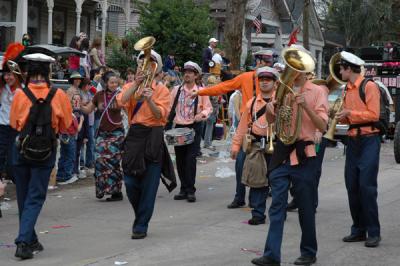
(83, 61)
(6, 98)
(217, 58)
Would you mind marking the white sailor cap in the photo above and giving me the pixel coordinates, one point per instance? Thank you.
(212, 40)
(155, 56)
(267, 72)
(192, 66)
(279, 67)
(38, 57)
(351, 59)
(264, 54)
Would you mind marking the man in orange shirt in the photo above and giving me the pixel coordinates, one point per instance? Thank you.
(31, 174)
(253, 120)
(248, 83)
(296, 163)
(362, 153)
(145, 153)
(188, 113)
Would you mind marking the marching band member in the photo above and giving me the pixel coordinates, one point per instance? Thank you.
(189, 113)
(362, 153)
(248, 83)
(145, 153)
(32, 177)
(296, 163)
(254, 120)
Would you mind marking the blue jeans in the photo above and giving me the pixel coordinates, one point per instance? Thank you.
(361, 173)
(208, 135)
(142, 192)
(87, 154)
(67, 158)
(304, 182)
(257, 199)
(7, 140)
(240, 188)
(31, 180)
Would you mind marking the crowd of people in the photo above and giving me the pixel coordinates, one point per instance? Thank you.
(115, 128)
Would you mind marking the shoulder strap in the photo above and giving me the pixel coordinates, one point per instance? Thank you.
(196, 103)
(362, 88)
(172, 114)
(29, 94)
(254, 86)
(51, 94)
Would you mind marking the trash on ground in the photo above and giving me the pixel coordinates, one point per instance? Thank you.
(4, 245)
(43, 232)
(120, 262)
(52, 187)
(211, 188)
(224, 172)
(7, 199)
(4, 206)
(60, 226)
(202, 161)
(257, 252)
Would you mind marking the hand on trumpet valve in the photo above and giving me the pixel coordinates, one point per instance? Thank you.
(343, 114)
(147, 93)
(139, 77)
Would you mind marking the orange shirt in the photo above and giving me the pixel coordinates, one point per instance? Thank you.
(244, 81)
(260, 127)
(61, 107)
(161, 98)
(316, 98)
(362, 112)
(184, 111)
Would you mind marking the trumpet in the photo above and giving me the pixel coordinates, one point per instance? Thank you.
(149, 67)
(270, 149)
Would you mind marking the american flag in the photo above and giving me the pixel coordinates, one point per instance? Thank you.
(258, 24)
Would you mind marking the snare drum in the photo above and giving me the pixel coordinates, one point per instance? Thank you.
(180, 136)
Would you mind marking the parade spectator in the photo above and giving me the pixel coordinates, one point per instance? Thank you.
(208, 54)
(130, 75)
(169, 62)
(74, 60)
(26, 40)
(84, 62)
(95, 54)
(109, 138)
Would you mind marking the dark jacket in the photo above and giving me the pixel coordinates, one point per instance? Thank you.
(206, 58)
(169, 64)
(146, 145)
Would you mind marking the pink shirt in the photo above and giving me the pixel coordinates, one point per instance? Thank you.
(185, 106)
(316, 98)
(260, 126)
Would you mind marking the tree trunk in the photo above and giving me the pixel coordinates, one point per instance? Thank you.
(235, 12)
(306, 19)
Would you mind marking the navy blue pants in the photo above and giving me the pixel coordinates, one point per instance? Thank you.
(240, 188)
(142, 192)
(304, 182)
(361, 173)
(66, 161)
(31, 180)
(7, 140)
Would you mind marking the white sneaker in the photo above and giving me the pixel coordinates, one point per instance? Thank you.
(82, 174)
(73, 179)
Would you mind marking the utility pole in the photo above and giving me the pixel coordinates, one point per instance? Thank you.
(306, 19)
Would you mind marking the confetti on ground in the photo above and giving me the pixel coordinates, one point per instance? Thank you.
(246, 209)
(211, 188)
(257, 252)
(3, 245)
(120, 262)
(43, 232)
(204, 176)
(245, 222)
(202, 161)
(60, 226)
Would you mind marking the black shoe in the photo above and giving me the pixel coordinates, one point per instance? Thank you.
(191, 198)
(265, 261)
(24, 251)
(36, 247)
(291, 206)
(116, 197)
(304, 260)
(138, 235)
(354, 238)
(181, 196)
(235, 205)
(256, 221)
(372, 242)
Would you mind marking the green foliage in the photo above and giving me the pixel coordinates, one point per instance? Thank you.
(122, 54)
(179, 26)
(363, 21)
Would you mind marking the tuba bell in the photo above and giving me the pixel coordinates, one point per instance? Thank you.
(333, 83)
(297, 61)
(148, 67)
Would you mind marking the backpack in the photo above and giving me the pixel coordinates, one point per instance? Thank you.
(37, 139)
(384, 113)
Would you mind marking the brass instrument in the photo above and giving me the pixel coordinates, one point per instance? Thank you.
(14, 68)
(270, 149)
(148, 67)
(333, 83)
(297, 61)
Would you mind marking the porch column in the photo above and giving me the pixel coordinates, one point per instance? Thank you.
(104, 7)
(50, 6)
(78, 11)
(22, 20)
(319, 70)
(127, 15)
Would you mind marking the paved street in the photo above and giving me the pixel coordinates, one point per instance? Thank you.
(206, 232)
